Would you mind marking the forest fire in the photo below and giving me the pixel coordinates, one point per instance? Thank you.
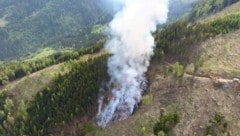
(131, 46)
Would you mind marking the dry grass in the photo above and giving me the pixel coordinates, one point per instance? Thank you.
(26, 88)
(195, 100)
(221, 56)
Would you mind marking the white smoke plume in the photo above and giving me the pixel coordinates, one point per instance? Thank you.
(131, 46)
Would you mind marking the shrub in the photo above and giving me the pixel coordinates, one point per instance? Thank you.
(165, 123)
(178, 70)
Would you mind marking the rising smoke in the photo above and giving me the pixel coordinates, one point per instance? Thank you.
(131, 46)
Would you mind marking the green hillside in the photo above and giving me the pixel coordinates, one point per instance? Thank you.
(26, 26)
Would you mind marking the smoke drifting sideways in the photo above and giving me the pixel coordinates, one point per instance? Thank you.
(131, 46)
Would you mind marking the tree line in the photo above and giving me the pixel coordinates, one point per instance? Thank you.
(14, 70)
(71, 95)
(206, 7)
(176, 39)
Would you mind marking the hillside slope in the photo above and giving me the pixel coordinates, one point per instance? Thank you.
(26, 26)
(197, 99)
(193, 80)
(207, 100)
